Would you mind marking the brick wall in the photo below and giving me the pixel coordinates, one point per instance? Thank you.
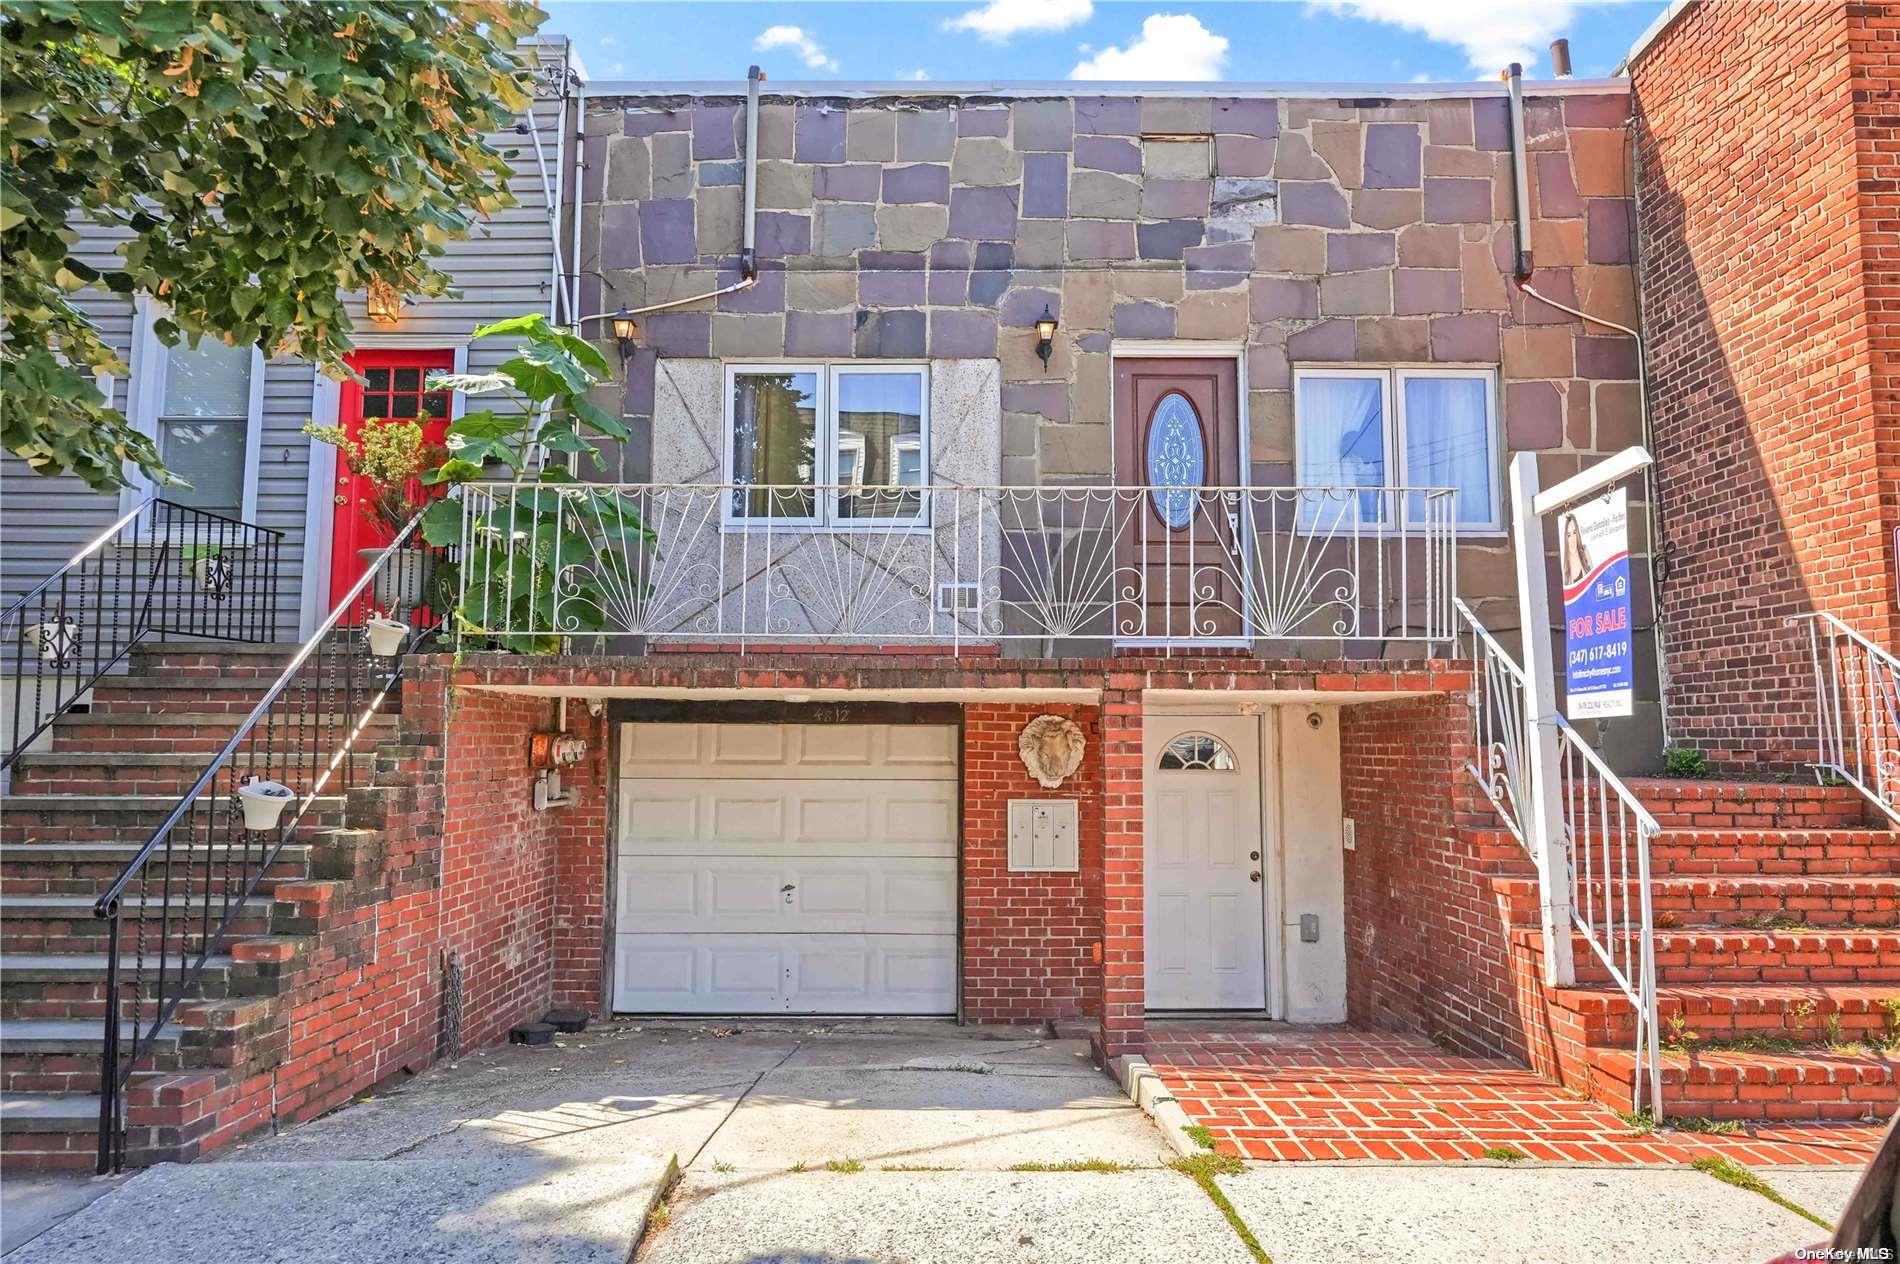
(1426, 946)
(1874, 59)
(1029, 939)
(1771, 440)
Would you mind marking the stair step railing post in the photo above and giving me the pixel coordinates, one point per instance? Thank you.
(1856, 710)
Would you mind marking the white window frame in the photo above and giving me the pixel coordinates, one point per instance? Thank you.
(145, 397)
(827, 440)
(1392, 380)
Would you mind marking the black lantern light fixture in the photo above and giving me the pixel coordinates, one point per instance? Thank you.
(1045, 336)
(625, 331)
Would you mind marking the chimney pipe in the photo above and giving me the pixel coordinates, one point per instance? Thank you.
(1560, 58)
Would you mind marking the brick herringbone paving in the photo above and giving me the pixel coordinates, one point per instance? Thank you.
(1305, 1094)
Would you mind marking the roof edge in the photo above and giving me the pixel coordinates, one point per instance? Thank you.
(1089, 88)
(1664, 20)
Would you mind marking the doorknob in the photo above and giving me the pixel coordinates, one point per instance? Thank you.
(1254, 876)
(1253, 855)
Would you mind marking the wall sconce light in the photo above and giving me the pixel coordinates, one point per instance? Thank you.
(384, 304)
(625, 331)
(1045, 336)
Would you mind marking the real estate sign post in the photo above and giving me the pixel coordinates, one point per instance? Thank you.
(1593, 553)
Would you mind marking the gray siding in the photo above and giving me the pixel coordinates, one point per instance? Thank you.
(504, 269)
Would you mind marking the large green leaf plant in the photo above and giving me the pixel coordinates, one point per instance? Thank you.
(540, 557)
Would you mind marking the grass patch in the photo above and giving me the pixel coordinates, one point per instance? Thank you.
(658, 1216)
(1698, 1123)
(843, 1165)
(1732, 1173)
(1200, 1135)
(1202, 1169)
(914, 1167)
(799, 1166)
(1505, 1154)
(1641, 1122)
(1074, 1165)
(720, 1165)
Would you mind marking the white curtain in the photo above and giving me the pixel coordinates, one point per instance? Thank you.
(1342, 444)
(1448, 442)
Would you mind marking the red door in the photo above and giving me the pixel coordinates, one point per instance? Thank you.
(395, 385)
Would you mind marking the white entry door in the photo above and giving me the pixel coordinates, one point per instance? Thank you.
(1206, 886)
(787, 868)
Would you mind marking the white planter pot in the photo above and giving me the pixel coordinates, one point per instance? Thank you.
(404, 584)
(56, 640)
(213, 575)
(264, 803)
(385, 636)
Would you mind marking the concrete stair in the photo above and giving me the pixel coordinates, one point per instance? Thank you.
(1777, 939)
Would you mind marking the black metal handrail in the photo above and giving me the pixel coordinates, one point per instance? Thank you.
(163, 569)
(196, 875)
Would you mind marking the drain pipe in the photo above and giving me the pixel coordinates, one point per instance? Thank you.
(1520, 176)
(748, 260)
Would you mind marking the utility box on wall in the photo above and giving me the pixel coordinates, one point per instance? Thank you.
(1042, 836)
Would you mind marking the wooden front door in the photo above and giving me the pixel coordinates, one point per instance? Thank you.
(394, 385)
(1177, 433)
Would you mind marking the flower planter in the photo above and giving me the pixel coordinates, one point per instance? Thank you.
(386, 636)
(405, 582)
(56, 640)
(264, 803)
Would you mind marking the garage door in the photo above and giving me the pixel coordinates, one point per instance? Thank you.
(787, 868)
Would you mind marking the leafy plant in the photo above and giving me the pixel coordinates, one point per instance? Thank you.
(1505, 1154)
(1685, 761)
(257, 158)
(1732, 1173)
(534, 563)
(391, 455)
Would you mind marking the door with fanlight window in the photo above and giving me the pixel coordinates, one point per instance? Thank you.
(395, 387)
(1178, 555)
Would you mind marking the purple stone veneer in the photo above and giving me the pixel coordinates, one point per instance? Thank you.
(666, 231)
(962, 334)
(917, 183)
(1392, 156)
(983, 214)
(1045, 186)
(818, 134)
(1108, 153)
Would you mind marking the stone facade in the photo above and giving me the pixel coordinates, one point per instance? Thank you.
(1309, 231)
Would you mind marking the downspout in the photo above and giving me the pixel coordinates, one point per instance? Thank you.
(1523, 267)
(748, 261)
(580, 166)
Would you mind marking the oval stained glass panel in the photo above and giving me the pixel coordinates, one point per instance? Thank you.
(1177, 459)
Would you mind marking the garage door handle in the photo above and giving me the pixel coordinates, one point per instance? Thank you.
(787, 890)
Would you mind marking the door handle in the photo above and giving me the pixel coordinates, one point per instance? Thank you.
(1253, 855)
(1254, 876)
(787, 890)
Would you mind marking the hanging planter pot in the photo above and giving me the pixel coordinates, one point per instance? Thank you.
(385, 636)
(264, 803)
(404, 583)
(56, 640)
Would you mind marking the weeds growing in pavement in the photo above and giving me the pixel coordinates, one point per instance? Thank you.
(1733, 1173)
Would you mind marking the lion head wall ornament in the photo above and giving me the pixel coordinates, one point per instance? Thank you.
(1051, 747)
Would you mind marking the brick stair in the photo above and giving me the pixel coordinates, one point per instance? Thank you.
(75, 815)
(1777, 937)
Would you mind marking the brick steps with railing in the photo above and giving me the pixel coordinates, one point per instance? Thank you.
(77, 813)
(1777, 949)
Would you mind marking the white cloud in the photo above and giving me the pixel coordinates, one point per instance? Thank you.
(918, 75)
(1171, 46)
(793, 37)
(1492, 33)
(1000, 19)
(608, 41)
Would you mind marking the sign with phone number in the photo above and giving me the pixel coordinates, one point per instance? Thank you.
(1594, 559)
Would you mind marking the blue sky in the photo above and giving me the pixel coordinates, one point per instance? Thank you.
(1345, 41)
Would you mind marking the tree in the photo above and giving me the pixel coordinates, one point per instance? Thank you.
(259, 156)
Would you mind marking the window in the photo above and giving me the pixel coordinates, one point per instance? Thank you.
(201, 406)
(1380, 428)
(839, 445)
(1196, 752)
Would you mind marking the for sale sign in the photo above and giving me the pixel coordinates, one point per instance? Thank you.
(1593, 551)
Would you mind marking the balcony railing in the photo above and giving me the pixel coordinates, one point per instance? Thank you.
(1054, 570)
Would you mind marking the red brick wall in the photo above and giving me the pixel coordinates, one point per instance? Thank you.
(1874, 53)
(1426, 947)
(1029, 939)
(1756, 293)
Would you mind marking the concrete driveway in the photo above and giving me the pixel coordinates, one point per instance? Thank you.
(847, 1143)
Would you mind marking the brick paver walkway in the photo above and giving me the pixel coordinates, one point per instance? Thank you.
(1295, 1093)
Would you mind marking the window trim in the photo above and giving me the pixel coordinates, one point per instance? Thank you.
(145, 396)
(826, 518)
(1392, 405)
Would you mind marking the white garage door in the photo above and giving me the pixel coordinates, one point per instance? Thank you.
(787, 868)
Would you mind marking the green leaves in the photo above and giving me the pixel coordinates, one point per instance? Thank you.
(262, 156)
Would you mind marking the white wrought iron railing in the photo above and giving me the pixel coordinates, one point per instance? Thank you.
(732, 564)
(1857, 710)
(1606, 833)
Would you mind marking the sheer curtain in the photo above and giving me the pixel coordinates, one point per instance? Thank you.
(1342, 444)
(1448, 442)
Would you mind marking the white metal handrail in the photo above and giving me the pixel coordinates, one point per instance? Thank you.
(733, 564)
(1856, 710)
(1606, 838)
